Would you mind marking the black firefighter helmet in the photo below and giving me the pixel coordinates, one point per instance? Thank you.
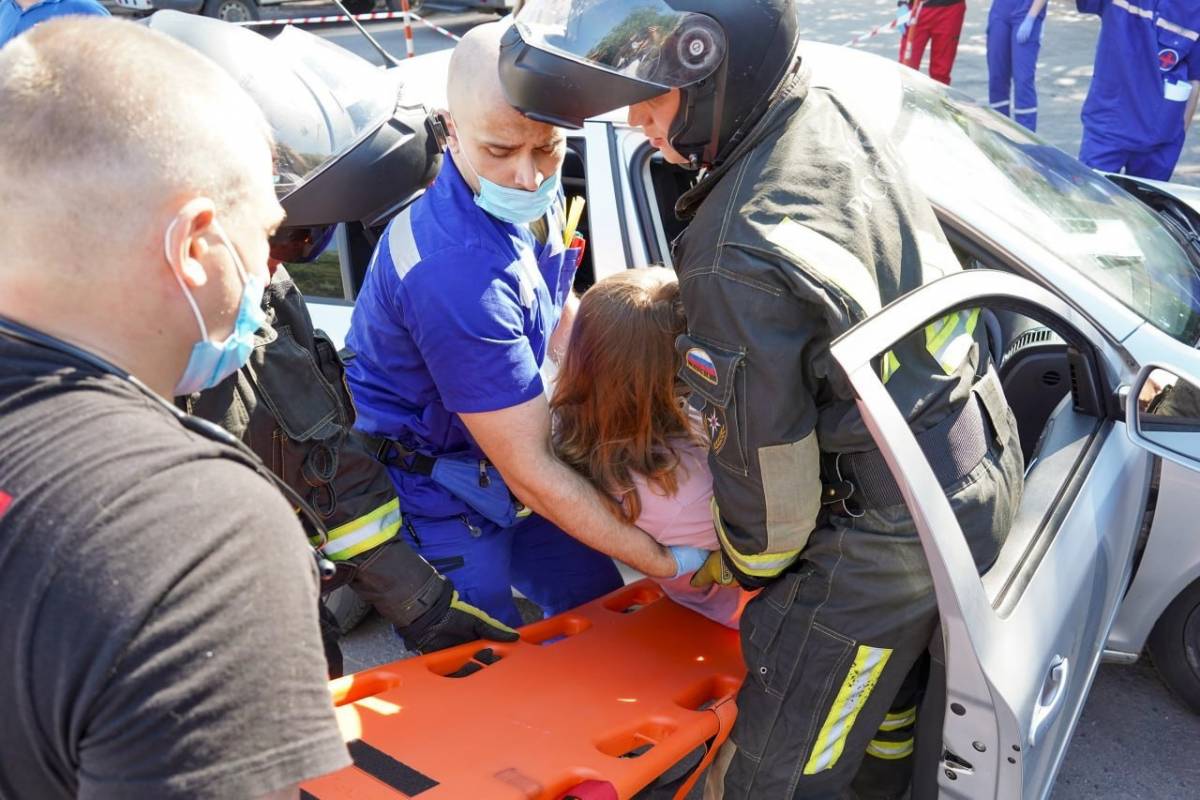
(348, 148)
(566, 60)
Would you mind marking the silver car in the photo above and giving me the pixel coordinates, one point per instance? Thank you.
(1090, 288)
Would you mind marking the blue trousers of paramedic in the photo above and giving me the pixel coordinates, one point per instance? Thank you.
(1156, 162)
(1012, 90)
(486, 562)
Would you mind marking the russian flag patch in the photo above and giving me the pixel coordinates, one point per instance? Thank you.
(701, 363)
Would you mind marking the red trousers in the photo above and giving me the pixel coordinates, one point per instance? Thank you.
(940, 26)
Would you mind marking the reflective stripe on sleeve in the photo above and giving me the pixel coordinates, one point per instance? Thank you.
(829, 261)
(888, 366)
(1137, 11)
(890, 751)
(764, 565)
(950, 338)
(856, 688)
(364, 533)
(1178, 30)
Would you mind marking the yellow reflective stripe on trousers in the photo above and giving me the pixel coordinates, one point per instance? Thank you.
(364, 533)
(763, 565)
(899, 719)
(856, 688)
(890, 751)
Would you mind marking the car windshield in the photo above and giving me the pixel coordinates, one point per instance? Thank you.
(1009, 183)
(989, 164)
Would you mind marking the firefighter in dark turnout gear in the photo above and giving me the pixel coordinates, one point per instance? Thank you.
(290, 403)
(802, 223)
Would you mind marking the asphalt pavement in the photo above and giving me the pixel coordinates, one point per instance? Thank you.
(1135, 740)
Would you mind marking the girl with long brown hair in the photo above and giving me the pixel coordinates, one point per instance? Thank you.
(621, 419)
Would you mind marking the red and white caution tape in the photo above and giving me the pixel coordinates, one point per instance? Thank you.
(437, 28)
(373, 16)
(898, 21)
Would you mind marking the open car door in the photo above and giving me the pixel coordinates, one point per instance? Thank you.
(1022, 645)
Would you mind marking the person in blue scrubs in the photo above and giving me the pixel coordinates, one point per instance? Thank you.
(1014, 38)
(1144, 86)
(467, 295)
(18, 16)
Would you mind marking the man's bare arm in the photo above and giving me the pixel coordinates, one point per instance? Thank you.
(517, 441)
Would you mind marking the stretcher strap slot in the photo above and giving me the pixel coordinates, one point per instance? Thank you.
(382, 767)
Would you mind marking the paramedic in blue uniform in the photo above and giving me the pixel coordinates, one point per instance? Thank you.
(1144, 86)
(1014, 37)
(18, 16)
(451, 333)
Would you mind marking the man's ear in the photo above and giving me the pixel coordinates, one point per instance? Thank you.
(451, 130)
(186, 245)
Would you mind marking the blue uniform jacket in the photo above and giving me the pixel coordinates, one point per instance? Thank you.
(454, 317)
(1145, 58)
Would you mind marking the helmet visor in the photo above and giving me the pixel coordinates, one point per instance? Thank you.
(646, 40)
(340, 98)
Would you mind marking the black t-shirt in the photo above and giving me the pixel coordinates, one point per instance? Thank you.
(158, 630)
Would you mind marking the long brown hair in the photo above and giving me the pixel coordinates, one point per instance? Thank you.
(616, 407)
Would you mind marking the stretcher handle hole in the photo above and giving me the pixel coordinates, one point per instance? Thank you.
(706, 693)
(636, 741)
(461, 662)
(352, 688)
(555, 629)
(634, 598)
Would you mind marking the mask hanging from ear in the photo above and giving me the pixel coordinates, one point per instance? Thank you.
(212, 362)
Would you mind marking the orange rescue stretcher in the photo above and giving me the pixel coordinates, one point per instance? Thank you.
(596, 702)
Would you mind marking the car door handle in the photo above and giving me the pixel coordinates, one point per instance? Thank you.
(1054, 689)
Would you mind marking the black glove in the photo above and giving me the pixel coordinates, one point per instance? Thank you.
(453, 621)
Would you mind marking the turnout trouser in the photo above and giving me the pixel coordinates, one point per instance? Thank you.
(835, 648)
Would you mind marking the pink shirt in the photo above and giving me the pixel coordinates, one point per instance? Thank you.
(686, 519)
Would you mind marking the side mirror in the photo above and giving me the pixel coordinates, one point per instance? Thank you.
(1162, 414)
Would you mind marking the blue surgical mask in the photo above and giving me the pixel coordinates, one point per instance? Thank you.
(518, 206)
(212, 362)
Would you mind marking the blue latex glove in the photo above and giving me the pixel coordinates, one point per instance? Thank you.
(688, 559)
(1025, 30)
(902, 12)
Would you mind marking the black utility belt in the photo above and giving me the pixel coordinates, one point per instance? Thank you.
(954, 447)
